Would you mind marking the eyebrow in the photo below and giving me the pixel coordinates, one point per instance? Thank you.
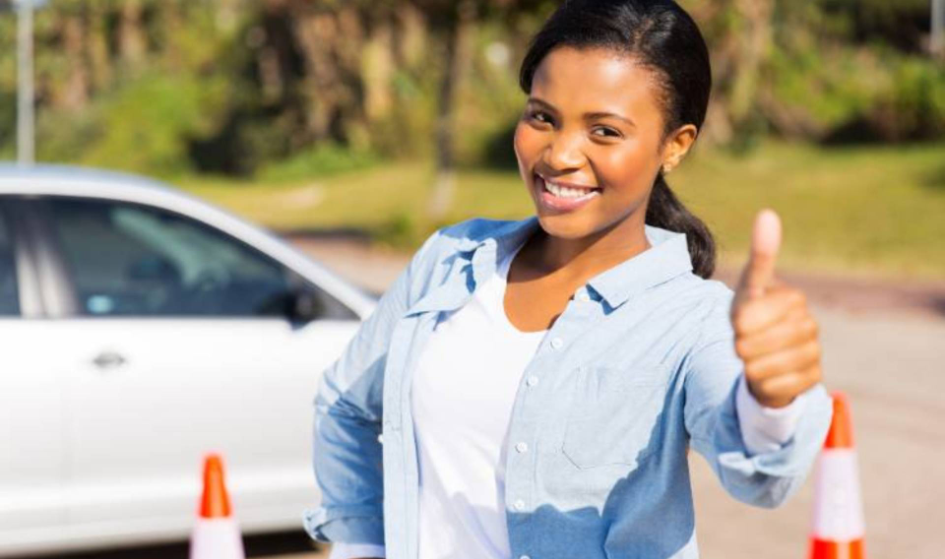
(587, 116)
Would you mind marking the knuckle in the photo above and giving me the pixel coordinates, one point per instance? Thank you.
(758, 388)
(752, 371)
(816, 351)
(799, 298)
(741, 322)
(741, 348)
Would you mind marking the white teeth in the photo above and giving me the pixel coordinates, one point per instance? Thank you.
(566, 192)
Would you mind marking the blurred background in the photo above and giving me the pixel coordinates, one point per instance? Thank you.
(315, 114)
(355, 128)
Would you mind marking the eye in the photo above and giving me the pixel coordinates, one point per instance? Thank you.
(606, 132)
(540, 117)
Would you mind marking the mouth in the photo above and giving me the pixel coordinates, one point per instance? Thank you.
(563, 196)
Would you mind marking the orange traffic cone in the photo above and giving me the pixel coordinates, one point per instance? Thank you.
(216, 535)
(838, 530)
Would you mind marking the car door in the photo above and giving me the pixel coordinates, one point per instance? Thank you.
(182, 340)
(31, 398)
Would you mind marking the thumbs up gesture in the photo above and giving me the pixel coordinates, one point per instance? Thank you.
(775, 334)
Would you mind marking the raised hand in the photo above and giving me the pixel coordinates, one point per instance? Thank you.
(775, 334)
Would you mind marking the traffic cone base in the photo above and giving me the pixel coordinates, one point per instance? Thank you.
(838, 530)
(838, 512)
(820, 549)
(216, 538)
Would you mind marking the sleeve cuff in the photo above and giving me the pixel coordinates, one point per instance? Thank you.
(765, 429)
(362, 524)
(356, 550)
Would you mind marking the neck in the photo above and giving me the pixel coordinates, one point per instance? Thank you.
(587, 256)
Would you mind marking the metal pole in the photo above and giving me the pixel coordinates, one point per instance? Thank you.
(938, 28)
(24, 116)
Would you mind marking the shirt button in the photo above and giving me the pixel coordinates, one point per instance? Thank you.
(519, 505)
(557, 343)
(380, 439)
(532, 381)
(521, 447)
(584, 297)
(524, 557)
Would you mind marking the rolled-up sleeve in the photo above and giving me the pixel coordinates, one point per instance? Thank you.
(348, 413)
(712, 370)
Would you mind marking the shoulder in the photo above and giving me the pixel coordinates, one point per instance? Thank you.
(477, 230)
(433, 260)
(709, 302)
(699, 308)
(464, 236)
(690, 290)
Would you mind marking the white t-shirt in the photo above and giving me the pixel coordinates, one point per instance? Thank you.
(462, 400)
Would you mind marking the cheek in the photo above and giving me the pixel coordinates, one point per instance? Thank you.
(626, 171)
(527, 145)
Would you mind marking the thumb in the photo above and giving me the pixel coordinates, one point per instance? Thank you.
(758, 273)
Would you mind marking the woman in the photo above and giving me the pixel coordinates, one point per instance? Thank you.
(530, 389)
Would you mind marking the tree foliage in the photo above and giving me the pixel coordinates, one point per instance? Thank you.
(237, 86)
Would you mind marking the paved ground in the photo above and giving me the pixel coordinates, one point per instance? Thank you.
(884, 346)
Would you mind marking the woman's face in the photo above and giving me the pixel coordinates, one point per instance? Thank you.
(589, 144)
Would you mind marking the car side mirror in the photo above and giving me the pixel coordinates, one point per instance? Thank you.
(305, 305)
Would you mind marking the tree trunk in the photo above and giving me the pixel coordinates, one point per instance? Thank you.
(132, 44)
(75, 93)
(755, 46)
(100, 68)
(457, 55)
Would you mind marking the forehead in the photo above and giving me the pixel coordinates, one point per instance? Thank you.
(592, 80)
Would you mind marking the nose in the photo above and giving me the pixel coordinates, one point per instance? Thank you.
(564, 152)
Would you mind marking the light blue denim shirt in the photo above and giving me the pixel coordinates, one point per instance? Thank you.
(639, 366)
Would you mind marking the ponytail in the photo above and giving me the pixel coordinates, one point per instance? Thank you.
(667, 212)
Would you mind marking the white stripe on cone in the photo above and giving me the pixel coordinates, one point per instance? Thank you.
(838, 507)
(216, 538)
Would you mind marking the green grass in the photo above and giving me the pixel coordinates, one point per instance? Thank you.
(864, 210)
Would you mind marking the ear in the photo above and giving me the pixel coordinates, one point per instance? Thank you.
(677, 146)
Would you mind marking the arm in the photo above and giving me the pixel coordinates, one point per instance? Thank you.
(764, 474)
(348, 414)
(762, 341)
(765, 429)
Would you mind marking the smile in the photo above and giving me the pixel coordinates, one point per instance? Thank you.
(555, 195)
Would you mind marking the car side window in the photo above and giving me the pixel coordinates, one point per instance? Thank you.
(133, 260)
(9, 295)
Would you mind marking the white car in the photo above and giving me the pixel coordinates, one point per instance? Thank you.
(141, 328)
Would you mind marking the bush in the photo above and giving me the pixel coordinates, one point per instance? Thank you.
(323, 160)
(143, 127)
(911, 108)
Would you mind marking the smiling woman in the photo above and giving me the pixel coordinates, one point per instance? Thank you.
(531, 389)
(644, 91)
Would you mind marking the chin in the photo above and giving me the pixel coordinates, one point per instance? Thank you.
(566, 226)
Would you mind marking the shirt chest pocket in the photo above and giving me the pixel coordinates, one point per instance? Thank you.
(616, 415)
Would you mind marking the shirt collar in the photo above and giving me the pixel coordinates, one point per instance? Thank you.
(667, 257)
(477, 258)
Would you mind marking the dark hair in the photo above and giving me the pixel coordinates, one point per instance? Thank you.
(660, 35)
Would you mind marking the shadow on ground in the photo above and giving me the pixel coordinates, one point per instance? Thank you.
(268, 545)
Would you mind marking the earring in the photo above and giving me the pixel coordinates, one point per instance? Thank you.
(667, 169)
